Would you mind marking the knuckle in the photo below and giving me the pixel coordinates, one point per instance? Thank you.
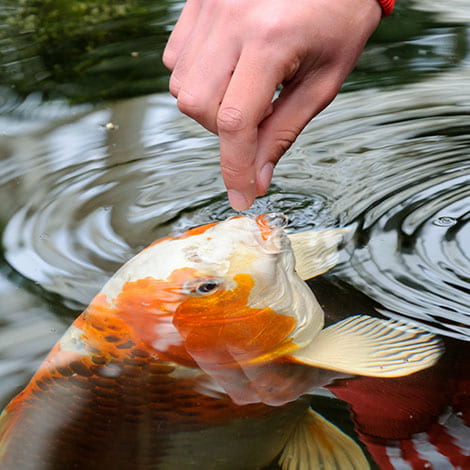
(291, 68)
(230, 119)
(271, 27)
(188, 104)
(330, 86)
(169, 59)
(174, 85)
(285, 138)
(173, 90)
(232, 173)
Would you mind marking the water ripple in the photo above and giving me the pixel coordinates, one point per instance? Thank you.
(393, 164)
(115, 189)
(409, 196)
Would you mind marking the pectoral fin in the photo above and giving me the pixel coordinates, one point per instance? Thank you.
(363, 345)
(316, 443)
(316, 251)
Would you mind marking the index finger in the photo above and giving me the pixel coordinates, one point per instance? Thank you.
(245, 104)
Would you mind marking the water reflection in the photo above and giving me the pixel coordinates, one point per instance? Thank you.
(94, 49)
(388, 158)
(85, 50)
(130, 185)
(403, 258)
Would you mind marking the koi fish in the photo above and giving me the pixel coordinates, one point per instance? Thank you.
(200, 352)
(424, 417)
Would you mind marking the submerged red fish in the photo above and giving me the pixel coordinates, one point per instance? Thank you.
(200, 352)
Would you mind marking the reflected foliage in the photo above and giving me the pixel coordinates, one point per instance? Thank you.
(97, 50)
(83, 50)
(407, 47)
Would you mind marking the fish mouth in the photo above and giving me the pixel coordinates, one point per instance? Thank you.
(271, 230)
(273, 220)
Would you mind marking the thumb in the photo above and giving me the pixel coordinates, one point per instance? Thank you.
(296, 105)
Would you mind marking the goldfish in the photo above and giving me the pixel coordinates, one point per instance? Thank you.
(202, 352)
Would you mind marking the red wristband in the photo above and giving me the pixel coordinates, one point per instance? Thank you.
(387, 6)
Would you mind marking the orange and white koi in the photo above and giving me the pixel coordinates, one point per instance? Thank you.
(200, 352)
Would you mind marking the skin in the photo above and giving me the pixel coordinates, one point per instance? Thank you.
(228, 57)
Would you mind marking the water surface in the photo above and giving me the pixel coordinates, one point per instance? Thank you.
(97, 164)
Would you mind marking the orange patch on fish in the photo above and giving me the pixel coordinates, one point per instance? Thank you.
(104, 331)
(184, 327)
(147, 306)
(264, 227)
(223, 329)
(98, 324)
(104, 341)
(196, 231)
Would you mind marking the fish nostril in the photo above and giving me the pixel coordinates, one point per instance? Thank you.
(276, 219)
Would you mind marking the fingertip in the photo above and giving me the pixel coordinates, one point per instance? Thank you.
(238, 201)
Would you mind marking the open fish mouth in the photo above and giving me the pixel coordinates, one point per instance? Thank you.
(273, 220)
(273, 238)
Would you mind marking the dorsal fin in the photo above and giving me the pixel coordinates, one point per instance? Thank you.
(316, 251)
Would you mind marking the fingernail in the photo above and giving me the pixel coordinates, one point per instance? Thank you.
(265, 176)
(237, 200)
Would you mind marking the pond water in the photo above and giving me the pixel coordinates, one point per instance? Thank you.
(96, 162)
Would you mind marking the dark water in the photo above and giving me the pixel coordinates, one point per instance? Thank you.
(96, 162)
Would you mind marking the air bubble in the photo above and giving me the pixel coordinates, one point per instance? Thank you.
(444, 221)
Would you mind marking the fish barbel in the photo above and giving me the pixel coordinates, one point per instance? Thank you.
(200, 353)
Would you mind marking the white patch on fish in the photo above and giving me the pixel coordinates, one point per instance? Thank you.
(168, 336)
(72, 341)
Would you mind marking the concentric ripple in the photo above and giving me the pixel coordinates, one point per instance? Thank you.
(393, 164)
(117, 186)
(408, 194)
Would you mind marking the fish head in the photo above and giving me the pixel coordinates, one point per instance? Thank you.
(218, 295)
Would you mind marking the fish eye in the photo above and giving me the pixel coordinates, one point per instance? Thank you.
(202, 287)
(207, 287)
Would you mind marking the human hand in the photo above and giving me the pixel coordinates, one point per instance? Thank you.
(228, 57)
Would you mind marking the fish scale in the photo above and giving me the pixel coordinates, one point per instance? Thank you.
(135, 416)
